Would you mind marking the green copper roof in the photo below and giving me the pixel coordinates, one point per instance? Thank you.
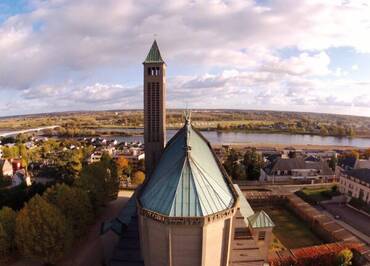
(154, 55)
(260, 220)
(188, 180)
(244, 206)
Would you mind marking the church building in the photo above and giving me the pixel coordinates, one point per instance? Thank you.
(188, 212)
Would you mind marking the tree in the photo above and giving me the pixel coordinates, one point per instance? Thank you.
(21, 138)
(350, 132)
(15, 197)
(4, 244)
(122, 163)
(138, 178)
(367, 154)
(69, 164)
(233, 166)
(23, 154)
(352, 154)
(123, 166)
(100, 180)
(141, 165)
(10, 152)
(324, 131)
(253, 163)
(333, 162)
(42, 232)
(112, 180)
(74, 203)
(345, 257)
(292, 154)
(7, 220)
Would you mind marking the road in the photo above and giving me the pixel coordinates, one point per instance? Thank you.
(14, 133)
(351, 217)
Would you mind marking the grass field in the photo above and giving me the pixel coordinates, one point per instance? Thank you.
(290, 232)
(315, 195)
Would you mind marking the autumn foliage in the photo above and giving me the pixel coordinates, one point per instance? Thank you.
(321, 255)
(42, 232)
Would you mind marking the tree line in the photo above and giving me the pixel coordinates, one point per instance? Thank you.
(245, 166)
(45, 227)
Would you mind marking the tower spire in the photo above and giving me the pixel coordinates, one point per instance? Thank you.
(154, 108)
(154, 55)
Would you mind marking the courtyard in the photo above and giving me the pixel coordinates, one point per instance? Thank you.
(290, 231)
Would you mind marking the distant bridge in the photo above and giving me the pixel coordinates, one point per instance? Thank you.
(14, 133)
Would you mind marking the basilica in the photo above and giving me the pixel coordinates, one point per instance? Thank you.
(188, 212)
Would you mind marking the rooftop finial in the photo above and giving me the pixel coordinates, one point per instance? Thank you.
(187, 115)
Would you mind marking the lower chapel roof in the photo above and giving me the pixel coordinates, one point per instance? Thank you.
(188, 181)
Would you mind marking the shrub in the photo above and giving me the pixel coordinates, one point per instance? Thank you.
(42, 232)
(345, 257)
(138, 178)
(74, 203)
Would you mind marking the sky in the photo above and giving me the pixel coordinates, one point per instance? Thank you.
(290, 55)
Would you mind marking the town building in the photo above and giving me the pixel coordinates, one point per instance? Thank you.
(6, 168)
(284, 169)
(347, 163)
(360, 163)
(95, 157)
(133, 155)
(356, 184)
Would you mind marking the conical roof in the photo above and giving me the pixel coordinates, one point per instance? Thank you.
(188, 180)
(260, 220)
(154, 55)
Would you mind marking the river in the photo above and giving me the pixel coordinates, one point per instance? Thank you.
(216, 137)
(229, 137)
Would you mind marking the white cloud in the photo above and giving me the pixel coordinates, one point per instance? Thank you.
(63, 43)
(354, 67)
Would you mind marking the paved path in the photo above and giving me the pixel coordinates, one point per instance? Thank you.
(285, 187)
(353, 221)
(88, 251)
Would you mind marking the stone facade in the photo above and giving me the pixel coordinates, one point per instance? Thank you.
(354, 187)
(170, 243)
(154, 113)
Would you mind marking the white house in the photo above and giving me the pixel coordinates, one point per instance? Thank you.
(356, 183)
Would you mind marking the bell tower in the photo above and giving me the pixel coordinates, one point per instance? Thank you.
(154, 107)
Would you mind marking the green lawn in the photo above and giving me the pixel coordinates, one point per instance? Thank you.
(290, 232)
(315, 195)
